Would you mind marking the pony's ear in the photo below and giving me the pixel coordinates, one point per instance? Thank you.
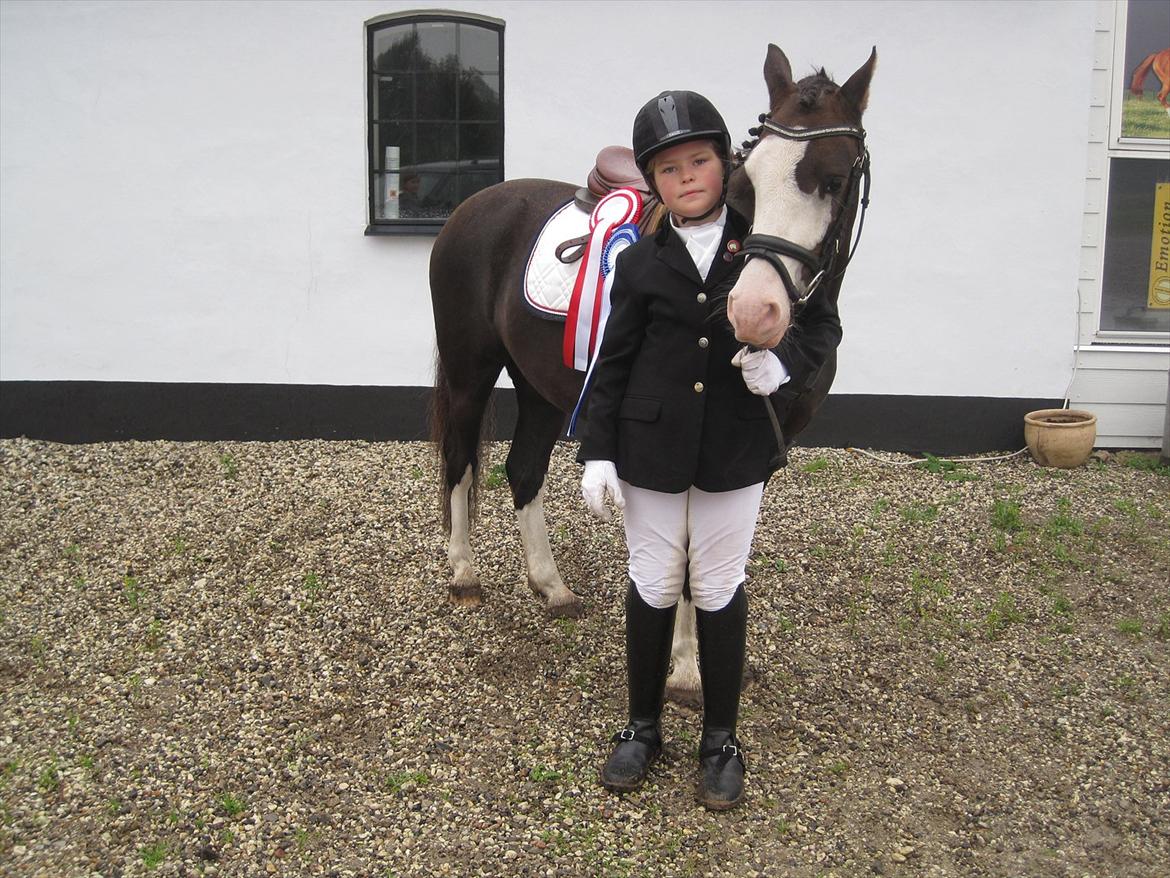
(778, 76)
(857, 88)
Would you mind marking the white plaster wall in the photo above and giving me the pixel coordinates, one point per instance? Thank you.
(183, 195)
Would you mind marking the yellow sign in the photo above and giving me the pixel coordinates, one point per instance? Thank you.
(1159, 296)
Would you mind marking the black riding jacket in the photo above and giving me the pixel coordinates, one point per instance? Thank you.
(666, 405)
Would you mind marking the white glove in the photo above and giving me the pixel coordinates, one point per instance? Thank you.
(600, 478)
(763, 373)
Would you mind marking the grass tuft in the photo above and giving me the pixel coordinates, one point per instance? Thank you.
(153, 855)
(229, 466)
(919, 513)
(1005, 516)
(1145, 462)
(497, 476)
(1002, 614)
(1063, 523)
(397, 781)
(1132, 627)
(231, 805)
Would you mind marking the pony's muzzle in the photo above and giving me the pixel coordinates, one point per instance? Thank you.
(758, 307)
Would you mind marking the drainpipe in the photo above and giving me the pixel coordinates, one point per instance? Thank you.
(1165, 459)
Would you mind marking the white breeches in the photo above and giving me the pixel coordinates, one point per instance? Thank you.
(709, 533)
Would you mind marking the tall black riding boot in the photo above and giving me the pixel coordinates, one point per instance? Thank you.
(649, 631)
(722, 643)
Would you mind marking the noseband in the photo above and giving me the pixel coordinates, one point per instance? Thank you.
(771, 248)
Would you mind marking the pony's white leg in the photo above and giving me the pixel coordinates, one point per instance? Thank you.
(684, 685)
(464, 589)
(543, 577)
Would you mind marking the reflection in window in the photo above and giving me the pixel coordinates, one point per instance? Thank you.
(436, 114)
(1132, 261)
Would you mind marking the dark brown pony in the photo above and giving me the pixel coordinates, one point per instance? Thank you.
(1160, 62)
(482, 326)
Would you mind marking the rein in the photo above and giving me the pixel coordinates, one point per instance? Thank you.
(771, 248)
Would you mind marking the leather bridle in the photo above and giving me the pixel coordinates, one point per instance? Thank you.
(771, 248)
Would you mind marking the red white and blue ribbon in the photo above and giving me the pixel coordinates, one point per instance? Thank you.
(590, 298)
(620, 238)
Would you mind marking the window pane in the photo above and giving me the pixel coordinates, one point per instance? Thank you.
(436, 42)
(479, 96)
(470, 184)
(479, 49)
(395, 49)
(385, 196)
(1147, 32)
(436, 95)
(435, 194)
(393, 97)
(476, 176)
(436, 142)
(479, 141)
(1131, 265)
(388, 135)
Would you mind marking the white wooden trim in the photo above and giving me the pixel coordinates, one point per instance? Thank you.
(1142, 388)
(1104, 143)
(1125, 386)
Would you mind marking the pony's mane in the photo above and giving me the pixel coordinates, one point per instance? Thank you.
(813, 89)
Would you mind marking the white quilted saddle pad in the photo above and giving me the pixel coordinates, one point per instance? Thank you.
(548, 282)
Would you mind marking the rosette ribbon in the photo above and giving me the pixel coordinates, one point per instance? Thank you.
(620, 237)
(590, 296)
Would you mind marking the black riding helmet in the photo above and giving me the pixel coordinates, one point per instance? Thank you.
(675, 117)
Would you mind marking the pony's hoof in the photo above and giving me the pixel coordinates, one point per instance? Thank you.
(686, 697)
(465, 595)
(573, 609)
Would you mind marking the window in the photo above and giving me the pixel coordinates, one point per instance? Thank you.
(1135, 287)
(435, 117)
(1136, 276)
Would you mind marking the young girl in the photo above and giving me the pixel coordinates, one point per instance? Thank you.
(676, 435)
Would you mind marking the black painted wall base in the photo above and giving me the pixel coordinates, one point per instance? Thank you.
(95, 411)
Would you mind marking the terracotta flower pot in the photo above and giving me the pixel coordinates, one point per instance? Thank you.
(1060, 437)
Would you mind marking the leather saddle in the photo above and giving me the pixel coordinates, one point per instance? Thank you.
(614, 168)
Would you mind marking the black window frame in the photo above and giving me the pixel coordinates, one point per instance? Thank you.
(417, 225)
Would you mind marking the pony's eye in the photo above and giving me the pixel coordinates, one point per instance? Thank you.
(834, 185)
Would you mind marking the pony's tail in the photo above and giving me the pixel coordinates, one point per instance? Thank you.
(444, 436)
(1139, 75)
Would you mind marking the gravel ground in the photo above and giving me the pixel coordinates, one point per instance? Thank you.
(239, 660)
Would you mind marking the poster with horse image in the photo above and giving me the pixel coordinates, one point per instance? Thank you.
(1145, 108)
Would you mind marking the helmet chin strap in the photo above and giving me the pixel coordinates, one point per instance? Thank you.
(683, 220)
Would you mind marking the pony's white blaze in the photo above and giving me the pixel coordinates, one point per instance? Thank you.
(543, 576)
(758, 304)
(459, 545)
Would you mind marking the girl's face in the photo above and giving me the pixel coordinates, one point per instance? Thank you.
(689, 178)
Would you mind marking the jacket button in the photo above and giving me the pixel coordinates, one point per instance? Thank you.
(702, 297)
(698, 387)
(703, 342)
